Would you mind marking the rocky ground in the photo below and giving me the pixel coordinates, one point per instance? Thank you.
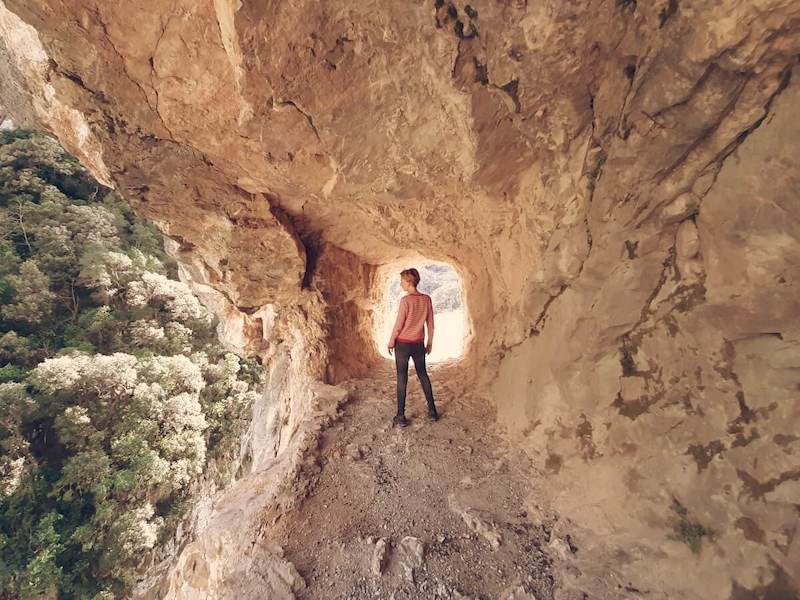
(435, 510)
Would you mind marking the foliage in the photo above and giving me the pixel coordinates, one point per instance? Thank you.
(440, 281)
(115, 396)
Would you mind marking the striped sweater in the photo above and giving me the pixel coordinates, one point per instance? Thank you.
(416, 310)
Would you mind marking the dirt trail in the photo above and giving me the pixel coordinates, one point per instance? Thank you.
(435, 510)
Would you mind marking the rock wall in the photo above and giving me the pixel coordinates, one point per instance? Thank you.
(669, 371)
(614, 180)
(345, 282)
(218, 550)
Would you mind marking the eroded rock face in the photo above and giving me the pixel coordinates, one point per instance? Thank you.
(615, 182)
(229, 558)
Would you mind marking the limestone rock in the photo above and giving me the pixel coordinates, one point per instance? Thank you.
(410, 555)
(379, 557)
(687, 250)
(681, 208)
(354, 452)
(444, 592)
(615, 181)
(475, 522)
(517, 593)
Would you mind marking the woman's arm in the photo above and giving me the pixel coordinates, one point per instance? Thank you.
(399, 322)
(429, 322)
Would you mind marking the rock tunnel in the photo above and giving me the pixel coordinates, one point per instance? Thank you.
(614, 182)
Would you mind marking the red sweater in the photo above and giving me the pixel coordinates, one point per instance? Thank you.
(416, 310)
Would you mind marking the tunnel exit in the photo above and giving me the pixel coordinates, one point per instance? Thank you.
(443, 284)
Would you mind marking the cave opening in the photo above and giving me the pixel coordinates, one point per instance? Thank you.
(451, 319)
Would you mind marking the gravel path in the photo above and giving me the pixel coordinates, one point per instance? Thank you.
(434, 510)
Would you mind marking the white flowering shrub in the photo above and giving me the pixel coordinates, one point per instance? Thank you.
(226, 397)
(91, 225)
(175, 374)
(17, 354)
(178, 337)
(175, 296)
(137, 430)
(107, 271)
(145, 413)
(105, 377)
(147, 332)
(134, 531)
(11, 469)
(14, 450)
(115, 395)
(33, 300)
(75, 428)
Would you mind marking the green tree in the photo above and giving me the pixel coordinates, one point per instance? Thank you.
(31, 302)
(115, 395)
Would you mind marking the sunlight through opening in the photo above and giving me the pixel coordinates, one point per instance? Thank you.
(443, 284)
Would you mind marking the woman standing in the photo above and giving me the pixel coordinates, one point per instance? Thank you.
(408, 340)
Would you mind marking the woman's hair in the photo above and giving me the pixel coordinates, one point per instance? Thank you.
(410, 275)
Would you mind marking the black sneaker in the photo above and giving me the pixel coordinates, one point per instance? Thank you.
(433, 415)
(400, 420)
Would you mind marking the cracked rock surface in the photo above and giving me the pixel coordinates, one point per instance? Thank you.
(615, 181)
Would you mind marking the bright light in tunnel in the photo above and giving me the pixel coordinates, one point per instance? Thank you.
(443, 284)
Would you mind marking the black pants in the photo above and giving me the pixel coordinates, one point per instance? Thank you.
(402, 352)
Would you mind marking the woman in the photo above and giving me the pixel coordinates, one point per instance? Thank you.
(408, 340)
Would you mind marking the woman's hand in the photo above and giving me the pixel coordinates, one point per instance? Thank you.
(428, 348)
